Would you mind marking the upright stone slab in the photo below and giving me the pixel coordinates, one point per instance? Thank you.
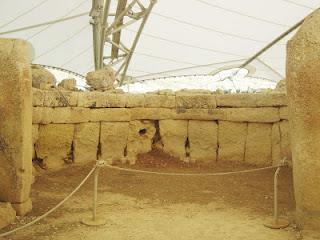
(303, 89)
(15, 123)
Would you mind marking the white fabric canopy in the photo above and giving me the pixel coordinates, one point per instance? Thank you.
(179, 34)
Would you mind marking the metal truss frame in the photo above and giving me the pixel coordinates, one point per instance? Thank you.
(108, 31)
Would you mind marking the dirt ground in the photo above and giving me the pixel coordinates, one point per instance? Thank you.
(153, 207)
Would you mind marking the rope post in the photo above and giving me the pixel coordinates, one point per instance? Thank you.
(276, 222)
(94, 220)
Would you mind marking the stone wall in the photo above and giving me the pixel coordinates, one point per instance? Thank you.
(78, 127)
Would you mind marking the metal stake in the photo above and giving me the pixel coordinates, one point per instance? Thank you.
(276, 222)
(94, 220)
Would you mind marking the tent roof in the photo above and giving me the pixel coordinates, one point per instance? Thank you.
(178, 34)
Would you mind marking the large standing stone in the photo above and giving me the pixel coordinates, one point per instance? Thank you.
(102, 79)
(113, 140)
(140, 138)
(86, 141)
(54, 145)
(15, 121)
(232, 141)
(174, 134)
(258, 145)
(203, 138)
(285, 140)
(303, 88)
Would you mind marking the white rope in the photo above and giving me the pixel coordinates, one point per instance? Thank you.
(44, 29)
(45, 23)
(23, 14)
(62, 42)
(299, 4)
(206, 28)
(52, 209)
(191, 174)
(241, 14)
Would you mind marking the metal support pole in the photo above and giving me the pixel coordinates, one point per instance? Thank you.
(94, 220)
(276, 222)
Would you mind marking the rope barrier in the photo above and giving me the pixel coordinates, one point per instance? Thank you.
(191, 174)
(52, 209)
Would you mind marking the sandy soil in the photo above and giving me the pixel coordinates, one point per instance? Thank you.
(138, 206)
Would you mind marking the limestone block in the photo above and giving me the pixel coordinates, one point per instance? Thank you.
(46, 115)
(135, 100)
(113, 140)
(140, 138)
(151, 113)
(232, 141)
(110, 115)
(258, 145)
(101, 79)
(42, 77)
(285, 140)
(284, 113)
(15, 121)
(22, 208)
(160, 101)
(54, 145)
(174, 134)
(203, 138)
(91, 99)
(252, 100)
(7, 214)
(60, 98)
(86, 141)
(68, 84)
(262, 114)
(276, 144)
(189, 100)
(38, 97)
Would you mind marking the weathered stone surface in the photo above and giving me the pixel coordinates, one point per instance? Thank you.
(38, 97)
(135, 100)
(194, 100)
(85, 142)
(113, 140)
(285, 140)
(160, 101)
(151, 113)
(263, 114)
(68, 84)
(54, 145)
(252, 100)
(7, 214)
(102, 100)
(174, 134)
(276, 144)
(284, 113)
(42, 78)
(22, 208)
(15, 121)
(203, 139)
(258, 145)
(101, 79)
(303, 86)
(232, 141)
(281, 86)
(140, 138)
(60, 98)
(44, 115)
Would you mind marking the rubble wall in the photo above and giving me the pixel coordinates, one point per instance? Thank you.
(193, 126)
